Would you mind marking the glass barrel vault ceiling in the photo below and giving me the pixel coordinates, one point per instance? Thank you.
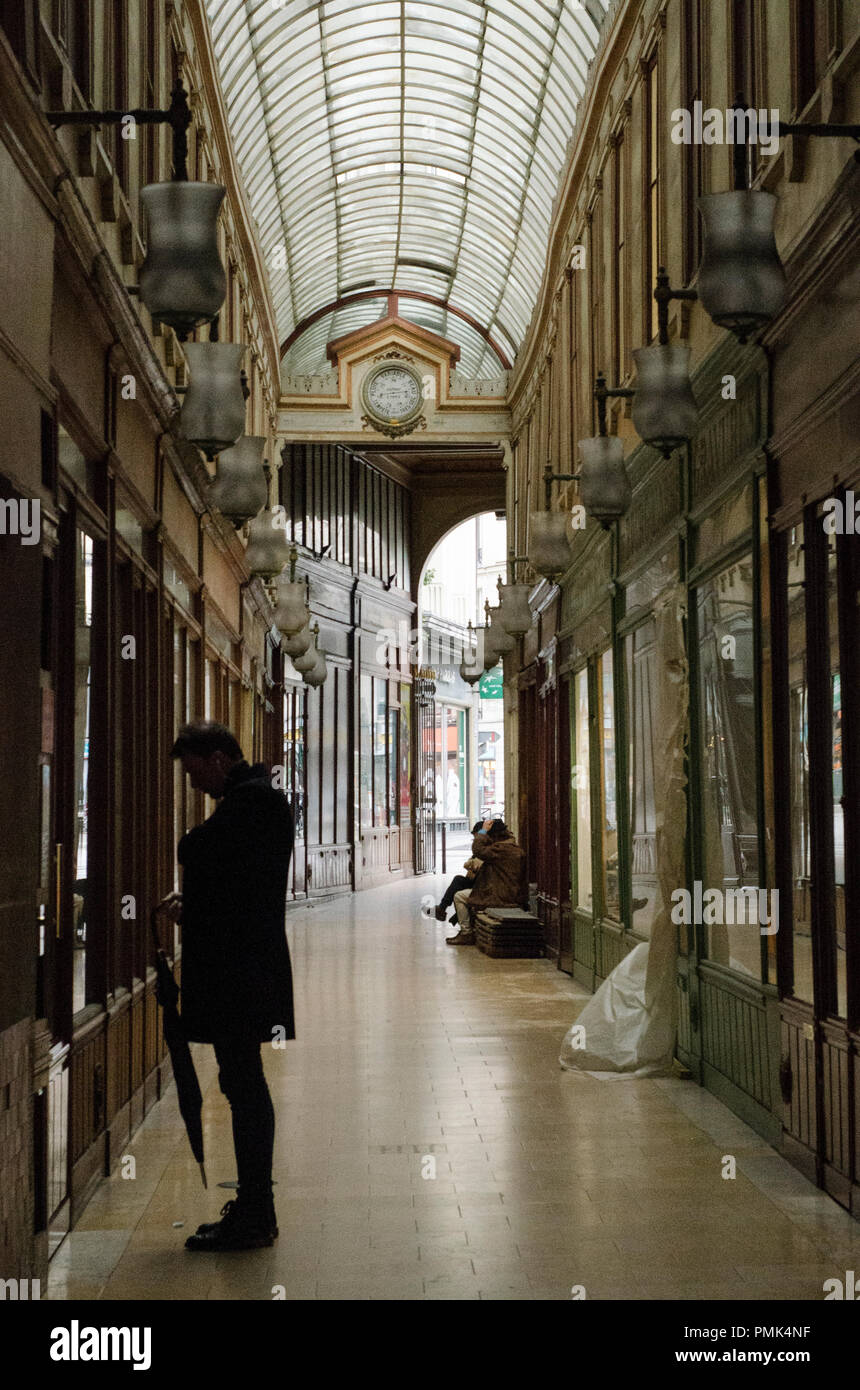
(404, 144)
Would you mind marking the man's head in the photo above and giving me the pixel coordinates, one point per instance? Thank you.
(208, 752)
(498, 830)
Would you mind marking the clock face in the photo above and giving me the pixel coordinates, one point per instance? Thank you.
(393, 394)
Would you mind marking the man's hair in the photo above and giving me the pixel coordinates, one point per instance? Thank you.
(203, 737)
(479, 825)
(498, 830)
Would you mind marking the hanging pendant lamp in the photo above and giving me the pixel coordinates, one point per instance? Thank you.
(318, 672)
(664, 411)
(182, 280)
(491, 653)
(308, 659)
(239, 487)
(213, 411)
(298, 643)
(603, 482)
(503, 641)
(741, 281)
(516, 613)
(267, 551)
(549, 547)
(472, 665)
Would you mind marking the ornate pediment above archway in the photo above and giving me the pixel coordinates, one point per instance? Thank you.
(392, 379)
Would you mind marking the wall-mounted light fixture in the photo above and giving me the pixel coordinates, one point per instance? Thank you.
(182, 280)
(664, 410)
(267, 550)
(741, 280)
(516, 615)
(603, 482)
(503, 641)
(291, 610)
(213, 411)
(472, 665)
(239, 487)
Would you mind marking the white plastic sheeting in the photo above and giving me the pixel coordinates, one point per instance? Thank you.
(628, 1026)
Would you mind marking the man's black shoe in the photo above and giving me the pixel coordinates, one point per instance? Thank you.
(228, 1206)
(440, 914)
(239, 1229)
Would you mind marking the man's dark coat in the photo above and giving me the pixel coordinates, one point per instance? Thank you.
(236, 977)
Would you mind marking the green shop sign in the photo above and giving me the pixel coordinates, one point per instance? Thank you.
(490, 684)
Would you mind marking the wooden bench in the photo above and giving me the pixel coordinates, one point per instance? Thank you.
(509, 932)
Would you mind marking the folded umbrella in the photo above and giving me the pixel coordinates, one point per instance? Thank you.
(187, 1085)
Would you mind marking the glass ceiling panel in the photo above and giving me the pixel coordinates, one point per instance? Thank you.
(414, 144)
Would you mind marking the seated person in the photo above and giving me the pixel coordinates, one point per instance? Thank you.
(459, 881)
(498, 883)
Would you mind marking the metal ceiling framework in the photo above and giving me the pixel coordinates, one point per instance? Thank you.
(409, 145)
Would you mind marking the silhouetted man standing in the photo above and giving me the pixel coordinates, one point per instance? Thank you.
(236, 978)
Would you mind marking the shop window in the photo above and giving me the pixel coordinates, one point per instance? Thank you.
(798, 693)
(393, 764)
(366, 732)
(640, 662)
(581, 783)
(609, 803)
(380, 752)
(728, 804)
(82, 890)
(766, 707)
(405, 754)
(835, 938)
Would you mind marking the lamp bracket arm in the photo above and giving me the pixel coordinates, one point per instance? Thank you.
(821, 128)
(177, 116)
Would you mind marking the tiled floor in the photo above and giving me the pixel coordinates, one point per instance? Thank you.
(430, 1147)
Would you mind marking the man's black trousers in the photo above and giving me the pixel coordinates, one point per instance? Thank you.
(241, 1078)
(460, 881)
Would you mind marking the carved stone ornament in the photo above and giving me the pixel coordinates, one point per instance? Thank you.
(394, 431)
(394, 352)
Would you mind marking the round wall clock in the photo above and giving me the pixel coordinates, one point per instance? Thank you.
(392, 395)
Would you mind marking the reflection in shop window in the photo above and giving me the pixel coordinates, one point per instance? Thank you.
(640, 658)
(582, 794)
(611, 898)
(728, 806)
(83, 697)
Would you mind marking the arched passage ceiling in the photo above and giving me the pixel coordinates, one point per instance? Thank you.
(405, 144)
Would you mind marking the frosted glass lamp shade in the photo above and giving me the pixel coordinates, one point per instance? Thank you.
(213, 411)
(318, 672)
(298, 643)
(267, 551)
(741, 281)
(307, 661)
(291, 609)
(502, 640)
(490, 654)
(664, 408)
(469, 672)
(604, 486)
(182, 280)
(516, 613)
(239, 489)
(472, 665)
(549, 547)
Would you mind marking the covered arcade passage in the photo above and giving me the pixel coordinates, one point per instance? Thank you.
(288, 292)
